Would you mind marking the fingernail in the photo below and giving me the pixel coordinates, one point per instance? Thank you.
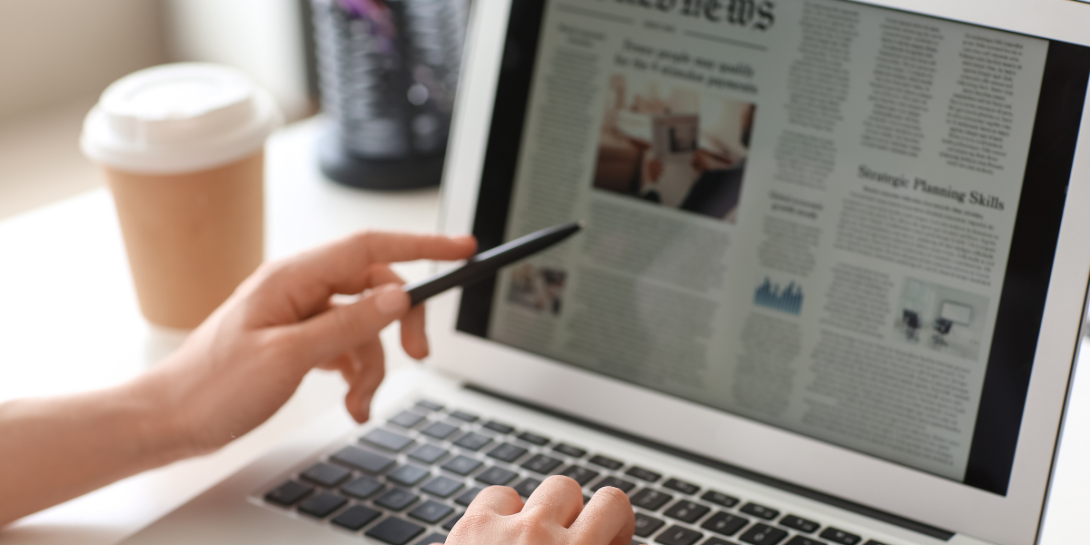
(391, 300)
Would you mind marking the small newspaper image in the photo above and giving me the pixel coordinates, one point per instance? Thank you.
(537, 288)
(674, 145)
(940, 318)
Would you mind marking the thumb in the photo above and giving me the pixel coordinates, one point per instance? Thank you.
(344, 328)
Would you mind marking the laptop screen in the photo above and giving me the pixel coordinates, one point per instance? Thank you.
(829, 217)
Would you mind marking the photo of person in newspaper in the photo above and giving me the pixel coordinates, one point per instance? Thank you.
(674, 146)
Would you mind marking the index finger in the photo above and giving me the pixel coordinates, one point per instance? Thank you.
(343, 266)
(607, 518)
(389, 247)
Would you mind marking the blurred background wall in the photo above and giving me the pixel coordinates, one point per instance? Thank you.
(57, 57)
(262, 37)
(51, 52)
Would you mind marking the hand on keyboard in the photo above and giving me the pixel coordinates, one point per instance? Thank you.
(247, 359)
(553, 515)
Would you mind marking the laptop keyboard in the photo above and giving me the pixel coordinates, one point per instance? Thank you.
(409, 482)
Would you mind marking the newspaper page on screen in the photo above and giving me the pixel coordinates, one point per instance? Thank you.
(799, 212)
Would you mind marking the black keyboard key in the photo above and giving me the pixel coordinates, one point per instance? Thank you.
(803, 540)
(406, 419)
(760, 511)
(468, 496)
(461, 415)
(439, 430)
(429, 405)
(407, 475)
(716, 541)
(496, 476)
(362, 487)
(433, 538)
(542, 464)
(431, 512)
(507, 452)
(534, 439)
(676, 535)
(527, 487)
(449, 525)
(396, 499)
(327, 475)
(652, 500)
(568, 450)
(363, 460)
(719, 498)
(873, 542)
(840, 536)
(643, 474)
(725, 523)
(686, 511)
(615, 482)
(429, 454)
(608, 463)
(763, 534)
(289, 493)
(356, 517)
(581, 474)
(800, 524)
(681, 486)
(499, 428)
(646, 525)
(442, 487)
(386, 439)
(322, 505)
(395, 531)
(473, 441)
(462, 465)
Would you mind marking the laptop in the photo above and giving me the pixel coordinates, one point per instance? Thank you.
(830, 290)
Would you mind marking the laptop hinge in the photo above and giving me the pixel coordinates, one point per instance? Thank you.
(889, 518)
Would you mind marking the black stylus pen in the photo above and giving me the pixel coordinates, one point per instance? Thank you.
(486, 264)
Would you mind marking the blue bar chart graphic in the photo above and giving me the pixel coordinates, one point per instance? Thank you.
(775, 297)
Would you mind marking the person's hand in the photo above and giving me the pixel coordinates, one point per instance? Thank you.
(655, 169)
(243, 363)
(553, 515)
(705, 160)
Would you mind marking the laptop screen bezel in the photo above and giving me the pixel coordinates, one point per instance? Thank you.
(1013, 518)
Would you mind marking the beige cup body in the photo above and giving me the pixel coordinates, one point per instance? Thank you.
(192, 238)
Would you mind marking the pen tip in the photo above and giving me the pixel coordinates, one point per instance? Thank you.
(581, 223)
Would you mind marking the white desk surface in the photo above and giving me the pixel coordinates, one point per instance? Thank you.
(69, 322)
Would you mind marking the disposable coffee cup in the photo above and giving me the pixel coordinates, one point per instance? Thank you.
(182, 149)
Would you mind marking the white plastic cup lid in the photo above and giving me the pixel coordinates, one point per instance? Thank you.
(178, 118)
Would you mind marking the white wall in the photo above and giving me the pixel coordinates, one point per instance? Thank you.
(57, 57)
(261, 37)
(52, 52)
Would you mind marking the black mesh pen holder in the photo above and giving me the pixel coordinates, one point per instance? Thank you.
(388, 71)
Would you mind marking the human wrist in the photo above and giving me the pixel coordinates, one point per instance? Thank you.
(158, 420)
